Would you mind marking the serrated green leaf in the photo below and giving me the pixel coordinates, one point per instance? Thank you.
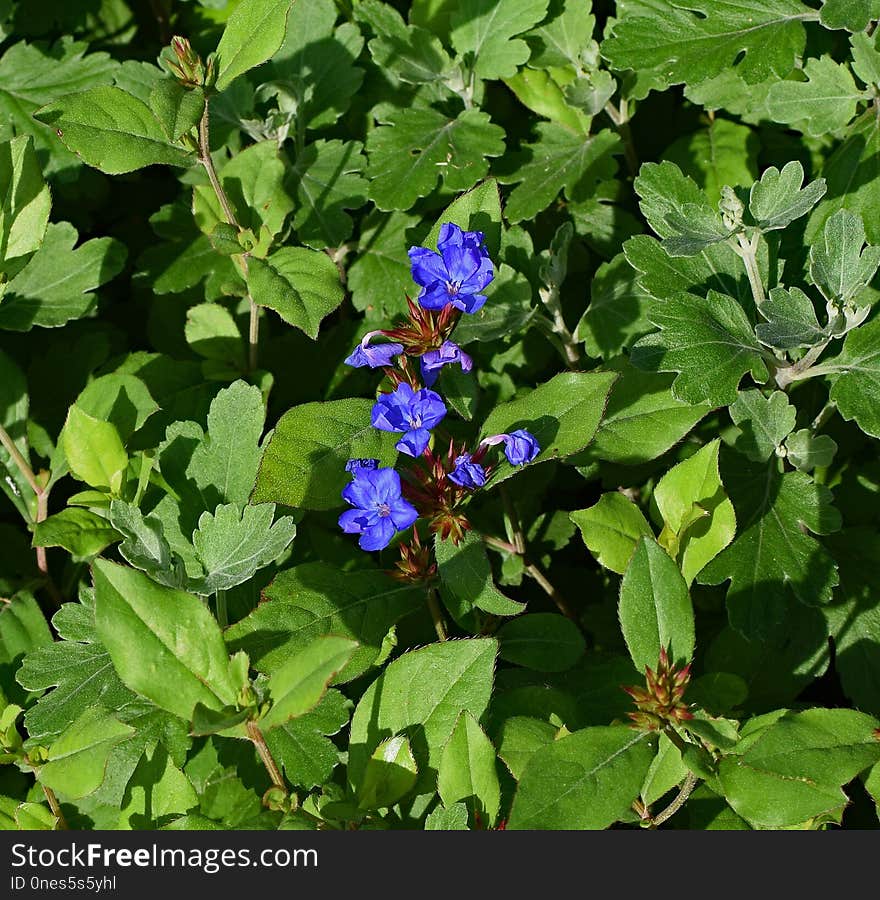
(304, 461)
(559, 160)
(177, 108)
(546, 642)
(708, 340)
(856, 391)
(414, 148)
(840, 264)
(314, 599)
(669, 42)
(112, 131)
(773, 552)
(611, 528)
(467, 771)
(778, 198)
(297, 685)
(233, 543)
(164, 643)
(854, 15)
(825, 101)
(791, 320)
(807, 451)
(520, 738)
(253, 33)
(655, 608)
(301, 285)
(25, 200)
(765, 422)
(584, 781)
(145, 546)
(56, 284)
(486, 29)
(564, 37)
(426, 690)
(390, 775)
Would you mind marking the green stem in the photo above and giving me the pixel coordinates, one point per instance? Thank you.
(620, 120)
(228, 213)
(686, 790)
(55, 806)
(222, 614)
(747, 251)
(437, 615)
(798, 371)
(567, 345)
(21, 463)
(259, 741)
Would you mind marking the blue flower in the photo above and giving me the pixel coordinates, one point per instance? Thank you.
(457, 274)
(379, 509)
(354, 464)
(434, 360)
(467, 473)
(412, 412)
(376, 356)
(520, 447)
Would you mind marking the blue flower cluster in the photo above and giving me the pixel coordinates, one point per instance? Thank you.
(451, 278)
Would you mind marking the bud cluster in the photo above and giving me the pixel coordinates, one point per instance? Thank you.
(660, 701)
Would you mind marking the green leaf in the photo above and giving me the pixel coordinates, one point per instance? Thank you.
(794, 769)
(121, 399)
(617, 314)
(453, 819)
(467, 771)
(547, 642)
(315, 599)
(779, 198)
(853, 178)
(466, 579)
(840, 265)
(298, 684)
(424, 690)
(77, 759)
(112, 131)
(233, 543)
(564, 37)
(478, 209)
(328, 180)
(508, 311)
(773, 552)
(723, 153)
(655, 608)
(164, 644)
(390, 775)
(304, 462)
(413, 54)
(563, 414)
(709, 341)
(584, 781)
(667, 770)
(145, 546)
(643, 418)
(79, 531)
(253, 33)
(94, 451)
(854, 15)
(56, 284)
(559, 160)
(77, 668)
(25, 200)
(857, 389)
(536, 90)
(825, 101)
(178, 108)
(670, 42)
(854, 616)
(791, 320)
(301, 285)
(765, 422)
(611, 528)
(866, 57)
(486, 29)
(14, 409)
(699, 518)
(157, 789)
(520, 738)
(412, 148)
(23, 629)
(212, 333)
(807, 451)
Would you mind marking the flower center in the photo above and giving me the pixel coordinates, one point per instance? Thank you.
(453, 287)
(383, 509)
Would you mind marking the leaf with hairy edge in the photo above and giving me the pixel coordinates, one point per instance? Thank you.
(304, 462)
(611, 529)
(412, 148)
(112, 131)
(585, 781)
(164, 644)
(773, 553)
(655, 608)
(709, 341)
(779, 198)
(765, 422)
(468, 772)
(791, 320)
(254, 31)
(546, 642)
(313, 599)
(424, 691)
(25, 200)
(841, 266)
(856, 391)
(391, 774)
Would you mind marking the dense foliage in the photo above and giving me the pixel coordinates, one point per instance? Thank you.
(441, 414)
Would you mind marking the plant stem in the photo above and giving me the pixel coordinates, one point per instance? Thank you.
(55, 806)
(686, 790)
(498, 544)
(22, 464)
(797, 371)
(747, 250)
(544, 583)
(222, 615)
(437, 615)
(620, 120)
(256, 736)
(568, 346)
(824, 415)
(206, 160)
